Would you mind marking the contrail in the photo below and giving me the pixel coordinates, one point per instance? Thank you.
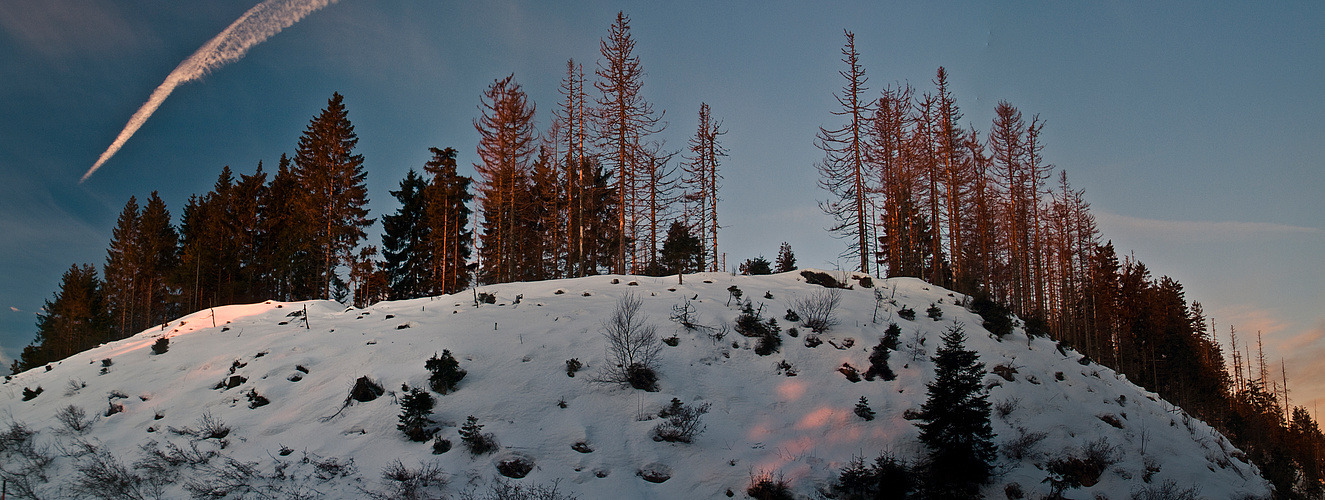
(255, 26)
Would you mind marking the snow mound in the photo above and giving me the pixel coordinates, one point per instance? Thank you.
(587, 439)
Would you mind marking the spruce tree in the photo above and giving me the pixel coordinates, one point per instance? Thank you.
(505, 149)
(450, 239)
(446, 372)
(333, 195)
(122, 270)
(73, 321)
(415, 408)
(786, 260)
(955, 422)
(404, 238)
(682, 252)
(158, 244)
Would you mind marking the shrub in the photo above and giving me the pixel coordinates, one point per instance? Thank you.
(632, 347)
(891, 336)
(818, 310)
(1080, 468)
(863, 409)
(256, 400)
(446, 372)
(161, 346)
(1169, 490)
(821, 279)
(415, 408)
(792, 316)
(365, 390)
(756, 266)
(29, 394)
(879, 362)
(1005, 407)
(907, 313)
(997, 318)
(74, 419)
(813, 341)
(475, 440)
(850, 372)
(212, 427)
(768, 486)
(503, 489)
(573, 365)
(684, 314)
(400, 481)
(934, 312)
(683, 423)
(733, 293)
(672, 341)
(441, 445)
(515, 468)
(887, 478)
(1024, 445)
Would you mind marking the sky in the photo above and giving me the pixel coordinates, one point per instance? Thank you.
(1195, 132)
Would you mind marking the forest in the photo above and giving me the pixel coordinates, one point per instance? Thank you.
(911, 190)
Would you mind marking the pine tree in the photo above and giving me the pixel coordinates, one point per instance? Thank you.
(445, 372)
(333, 198)
(682, 252)
(623, 122)
(450, 239)
(158, 243)
(506, 147)
(842, 171)
(285, 257)
(955, 421)
(863, 409)
(701, 183)
(74, 320)
(122, 269)
(405, 236)
(415, 408)
(786, 260)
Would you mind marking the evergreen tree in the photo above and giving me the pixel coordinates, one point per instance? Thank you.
(786, 260)
(286, 256)
(73, 321)
(842, 171)
(405, 235)
(623, 122)
(450, 239)
(122, 269)
(879, 357)
(446, 372)
(333, 198)
(955, 422)
(506, 147)
(682, 252)
(158, 245)
(415, 408)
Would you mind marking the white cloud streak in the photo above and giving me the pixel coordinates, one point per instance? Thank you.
(255, 26)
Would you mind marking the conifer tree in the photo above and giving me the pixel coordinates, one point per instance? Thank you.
(445, 372)
(450, 239)
(786, 259)
(506, 147)
(158, 243)
(623, 122)
(415, 408)
(75, 319)
(333, 198)
(682, 252)
(122, 269)
(955, 421)
(405, 235)
(701, 183)
(842, 171)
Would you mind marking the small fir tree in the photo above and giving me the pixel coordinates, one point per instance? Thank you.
(415, 408)
(446, 372)
(863, 409)
(879, 361)
(935, 312)
(786, 260)
(756, 266)
(475, 440)
(892, 336)
(954, 421)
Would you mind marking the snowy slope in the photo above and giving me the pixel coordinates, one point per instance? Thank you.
(801, 427)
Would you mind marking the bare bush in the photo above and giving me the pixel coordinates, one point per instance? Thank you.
(74, 419)
(817, 310)
(229, 476)
(399, 481)
(1024, 446)
(683, 423)
(632, 347)
(504, 489)
(1169, 490)
(1006, 407)
(101, 475)
(212, 427)
(23, 463)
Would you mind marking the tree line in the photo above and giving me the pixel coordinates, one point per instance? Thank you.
(595, 192)
(914, 193)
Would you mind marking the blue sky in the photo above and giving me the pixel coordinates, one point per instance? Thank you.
(1196, 132)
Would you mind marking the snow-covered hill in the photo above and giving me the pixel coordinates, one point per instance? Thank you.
(303, 445)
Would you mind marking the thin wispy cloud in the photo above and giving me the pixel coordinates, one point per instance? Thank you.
(15, 309)
(1177, 230)
(255, 26)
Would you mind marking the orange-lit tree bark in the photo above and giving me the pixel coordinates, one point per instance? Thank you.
(701, 192)
(505, 148)
(842, 171)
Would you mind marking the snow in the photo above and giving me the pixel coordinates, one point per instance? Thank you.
(801, 427)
